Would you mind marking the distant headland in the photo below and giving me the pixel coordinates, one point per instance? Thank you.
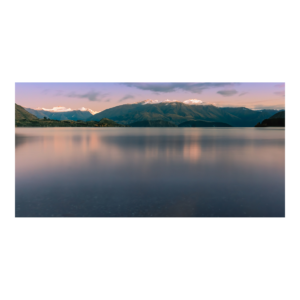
(277, 120)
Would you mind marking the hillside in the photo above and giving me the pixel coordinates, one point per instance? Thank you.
(108, 123)
(279, 115)
(178, 112)
(247, 117)
(277, 120)
(203, 124)
(151, 123)
(22, 114)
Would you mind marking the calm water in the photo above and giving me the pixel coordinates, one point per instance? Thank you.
(150, 172)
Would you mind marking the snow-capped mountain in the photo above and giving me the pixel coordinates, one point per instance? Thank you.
(65, 109)
(194, 102)
(167, 101)
(55, 109)
(93, 112)
(62, 113)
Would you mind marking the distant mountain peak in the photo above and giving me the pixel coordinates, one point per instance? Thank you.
(65, 109)
(193, 102)
(55, 109)
(93, 112)
(167, 101)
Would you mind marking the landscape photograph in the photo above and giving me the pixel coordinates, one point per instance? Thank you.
(150, 149)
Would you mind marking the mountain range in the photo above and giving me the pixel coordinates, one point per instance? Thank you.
(178, 112)
(163, 114)
(74, 115)
(23, 118)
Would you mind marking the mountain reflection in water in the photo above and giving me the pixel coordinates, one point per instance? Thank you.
(150, 172)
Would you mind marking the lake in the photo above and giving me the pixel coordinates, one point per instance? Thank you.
(150, 172)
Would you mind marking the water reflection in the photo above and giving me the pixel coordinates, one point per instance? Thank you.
(22, 139)
(149, 172)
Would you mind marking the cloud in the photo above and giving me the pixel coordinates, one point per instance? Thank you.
(126, 97)
(58, 93)
(165, 87)
(280, 85)
(92, 95)
(281, 93)
(52, 92)
(57, 109)
(242, 94)
(227, 93)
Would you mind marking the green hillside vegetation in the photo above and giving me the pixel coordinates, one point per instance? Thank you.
(48, 123)
(21, 114)
(178, 113)
(203, 124)
(152, 123)
(65, 123)
(108, 123)
(277, 120)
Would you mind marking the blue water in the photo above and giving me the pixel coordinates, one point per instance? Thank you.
(150, 172)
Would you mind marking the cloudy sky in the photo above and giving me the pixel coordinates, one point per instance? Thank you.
(100, 96)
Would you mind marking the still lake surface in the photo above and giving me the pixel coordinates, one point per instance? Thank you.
(150, 172)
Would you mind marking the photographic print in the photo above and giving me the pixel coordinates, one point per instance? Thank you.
(150, 149)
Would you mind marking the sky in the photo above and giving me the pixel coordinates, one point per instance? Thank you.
(100, 96)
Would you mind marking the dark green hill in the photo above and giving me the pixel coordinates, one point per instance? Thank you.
(152, 123)
(22, 114)
(108, 123)
(203, 124)
(277, 120)
(178, 112)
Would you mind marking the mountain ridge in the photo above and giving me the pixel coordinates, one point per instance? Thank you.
(280, 114)
(22, 114)
(73, 115)
(178, 112)
(23, 118)
(277, 120)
